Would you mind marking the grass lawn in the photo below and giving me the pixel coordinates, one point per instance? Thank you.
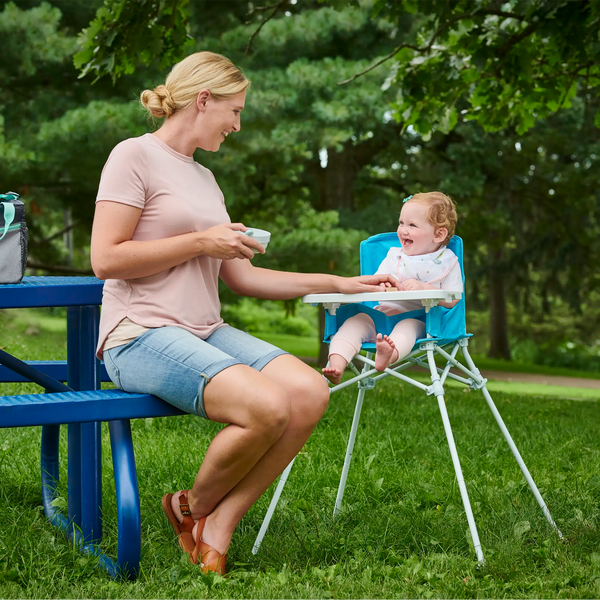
(402, 531)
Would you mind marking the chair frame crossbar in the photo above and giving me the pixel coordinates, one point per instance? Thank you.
(422, 356)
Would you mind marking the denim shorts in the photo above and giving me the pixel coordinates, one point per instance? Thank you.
(176, 365)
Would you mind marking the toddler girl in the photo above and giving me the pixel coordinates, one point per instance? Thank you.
(427, 222)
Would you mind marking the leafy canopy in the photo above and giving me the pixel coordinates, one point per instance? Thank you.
(497, 63)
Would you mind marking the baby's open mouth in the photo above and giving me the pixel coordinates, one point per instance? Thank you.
(407, 242)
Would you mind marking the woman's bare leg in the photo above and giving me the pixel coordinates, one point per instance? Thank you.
(305, 395)
(257, 410)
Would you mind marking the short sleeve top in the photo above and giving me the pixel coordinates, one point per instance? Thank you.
(177, 196)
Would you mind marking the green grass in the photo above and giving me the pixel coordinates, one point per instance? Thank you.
(298, 346)
(402, 531)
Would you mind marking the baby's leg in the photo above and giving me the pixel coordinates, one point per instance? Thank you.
(405, 334)
(346, 344)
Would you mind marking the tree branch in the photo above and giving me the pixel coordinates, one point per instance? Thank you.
(439, 31)
(379, 62)
(54, 236)
(276, 8)
(258, 9)
(58, 268)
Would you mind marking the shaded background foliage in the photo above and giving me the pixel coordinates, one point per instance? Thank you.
(494, 103)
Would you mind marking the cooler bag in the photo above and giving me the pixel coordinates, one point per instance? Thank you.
(13, 238)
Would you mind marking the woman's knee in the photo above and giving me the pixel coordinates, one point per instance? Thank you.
(271, 409)
(245, 397)
(309, 396)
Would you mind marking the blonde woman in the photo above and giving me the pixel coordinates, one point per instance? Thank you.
(161, 239)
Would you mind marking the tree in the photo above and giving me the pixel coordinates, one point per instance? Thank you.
(528, 212)
(38, 88)
(497, 63)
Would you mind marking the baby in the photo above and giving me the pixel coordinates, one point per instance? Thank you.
(427, 222)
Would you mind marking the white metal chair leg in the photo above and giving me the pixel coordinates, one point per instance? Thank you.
(519, 460)
(348, 459)
(272, 507)
(438, 390)
(511, 443)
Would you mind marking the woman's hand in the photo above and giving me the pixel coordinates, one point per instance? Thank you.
(365, 283)
(227, 242)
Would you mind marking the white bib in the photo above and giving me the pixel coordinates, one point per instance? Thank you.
(427, 268)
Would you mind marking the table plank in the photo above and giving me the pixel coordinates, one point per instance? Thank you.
(38, 292)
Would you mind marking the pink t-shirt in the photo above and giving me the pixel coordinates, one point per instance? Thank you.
(177, 196)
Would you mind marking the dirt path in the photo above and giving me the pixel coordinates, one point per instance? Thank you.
(545, 379)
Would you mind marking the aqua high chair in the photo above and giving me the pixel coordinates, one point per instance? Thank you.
(446, 335)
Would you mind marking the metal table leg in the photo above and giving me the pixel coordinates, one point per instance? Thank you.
(91, 433)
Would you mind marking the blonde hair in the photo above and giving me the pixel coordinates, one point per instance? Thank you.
(202, 70)
(441, 211)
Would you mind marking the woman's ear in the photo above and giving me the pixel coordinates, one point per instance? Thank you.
(202, 99)
(440, 235)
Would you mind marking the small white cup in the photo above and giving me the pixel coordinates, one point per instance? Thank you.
(260, 235)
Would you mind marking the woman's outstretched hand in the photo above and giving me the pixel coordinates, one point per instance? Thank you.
(366, 283)
(226, 242)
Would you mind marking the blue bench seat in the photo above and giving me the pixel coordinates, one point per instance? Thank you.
(80, 407)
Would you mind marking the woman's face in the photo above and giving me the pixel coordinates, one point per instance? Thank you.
(416, 234)
(220, 118)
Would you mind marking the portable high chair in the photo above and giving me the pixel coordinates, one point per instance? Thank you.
(446, 335)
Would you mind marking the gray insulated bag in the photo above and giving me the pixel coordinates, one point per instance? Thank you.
(13, 238)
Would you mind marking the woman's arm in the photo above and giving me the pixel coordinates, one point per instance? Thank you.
(244, 279)
(115, 255)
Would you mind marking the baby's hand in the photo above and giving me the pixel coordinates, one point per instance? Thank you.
(412, 285)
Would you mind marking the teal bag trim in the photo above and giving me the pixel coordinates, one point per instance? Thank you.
(9, 217)
(10, 196)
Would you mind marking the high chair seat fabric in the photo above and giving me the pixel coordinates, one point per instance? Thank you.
(446, 335)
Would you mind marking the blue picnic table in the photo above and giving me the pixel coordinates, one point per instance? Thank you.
(83, 406)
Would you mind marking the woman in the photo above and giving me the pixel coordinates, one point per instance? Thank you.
(161, 238)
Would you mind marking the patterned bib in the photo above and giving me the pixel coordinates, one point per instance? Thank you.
(427, 268)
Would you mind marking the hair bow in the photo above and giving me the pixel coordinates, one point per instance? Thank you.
(407, 199)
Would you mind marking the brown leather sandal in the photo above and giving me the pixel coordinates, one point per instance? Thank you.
(183, 529)
(209, 558)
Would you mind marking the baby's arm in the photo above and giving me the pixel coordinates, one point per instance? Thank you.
(452, 281)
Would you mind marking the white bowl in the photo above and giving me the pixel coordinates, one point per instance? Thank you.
(260, 235)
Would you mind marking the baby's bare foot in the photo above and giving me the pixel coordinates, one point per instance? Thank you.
(386, 352)
(333, 374)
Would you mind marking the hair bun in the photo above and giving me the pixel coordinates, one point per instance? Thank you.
(158, 101)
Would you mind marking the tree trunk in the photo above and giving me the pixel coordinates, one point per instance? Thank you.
(336, 180)
(499, 345)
